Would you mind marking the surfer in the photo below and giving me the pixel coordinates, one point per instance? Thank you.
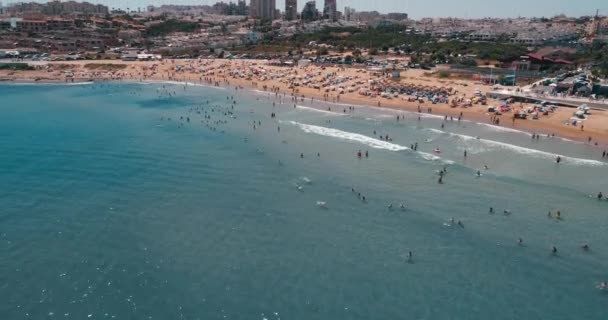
(366, 154)
(359, 154)
(600, 196)
(410, 257)
(491, 210)
(465, 153)
(460, 224)
(558, 159)
(585, 247)
(520, 241)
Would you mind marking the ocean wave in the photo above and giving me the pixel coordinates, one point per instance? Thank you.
(320, 110)
(57, 83)
(430, 157)
(181, 83)
(349, 136)
(371, 142)
(503, 129)
(521, 150)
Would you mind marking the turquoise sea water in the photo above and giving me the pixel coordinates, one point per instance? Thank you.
(111, 211)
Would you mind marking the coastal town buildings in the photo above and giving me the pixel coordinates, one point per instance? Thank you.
(57, 8)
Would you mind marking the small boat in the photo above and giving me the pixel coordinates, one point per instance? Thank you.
(437, 150)
(322, 204)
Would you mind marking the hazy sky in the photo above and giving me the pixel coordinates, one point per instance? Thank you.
(422, 8)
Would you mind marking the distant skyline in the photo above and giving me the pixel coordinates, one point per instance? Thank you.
(415, 8)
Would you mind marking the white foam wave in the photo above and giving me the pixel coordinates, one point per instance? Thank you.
(522, 150)
(84, 83)
(503, 129)
(265, 93)
(320, 111)
(349, 136)
(355, 137)
(185, 83)
(428, 156)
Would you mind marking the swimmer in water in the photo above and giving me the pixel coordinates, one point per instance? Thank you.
(520, 241)
(585, 247)
(478, 173)
(410, 257)
(600, 196)
(491, 210)
(554, 250)
(301, 155)
(402, 206)
(460, 224)
(558, 215)
(390, 206)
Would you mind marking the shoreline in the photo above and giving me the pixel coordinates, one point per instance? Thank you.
(216, 74)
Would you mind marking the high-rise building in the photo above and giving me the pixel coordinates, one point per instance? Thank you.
(310, 13)
(330, 10)
(291, 10)
(241, 8)
(349, 14)
(262, 9)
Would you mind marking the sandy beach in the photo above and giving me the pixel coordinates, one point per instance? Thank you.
(347, 85)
